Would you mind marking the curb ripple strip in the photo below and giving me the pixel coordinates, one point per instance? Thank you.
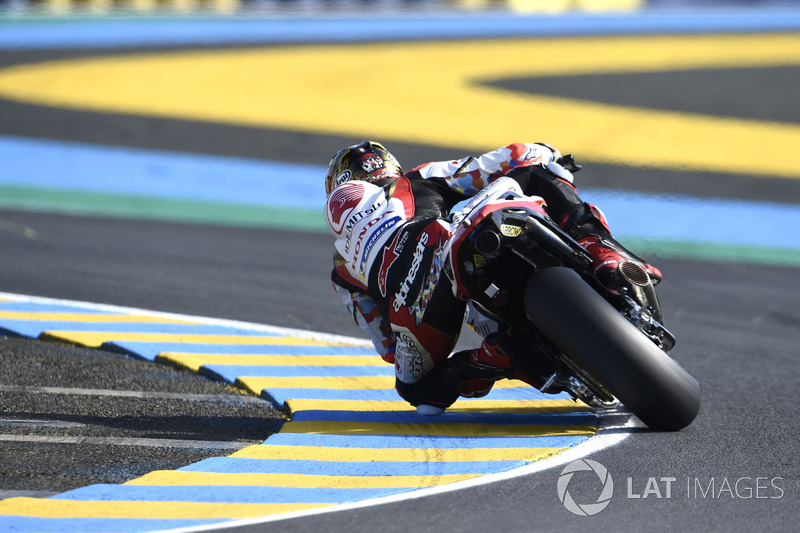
(349, 438)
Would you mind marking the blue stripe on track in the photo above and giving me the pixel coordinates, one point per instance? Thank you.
(420, 441)
(282, 394)
(746, 222)
(281, 29)
(325, 351)
(149, 350)
(34, 307)
(31, 524)
(197, 177)
(224, 494)
(33, 328)
(153, 173)
(449, 417)
(238, 465)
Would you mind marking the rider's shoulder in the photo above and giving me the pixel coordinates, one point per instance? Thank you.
(435, 169)
(350, 199)
(351, 194)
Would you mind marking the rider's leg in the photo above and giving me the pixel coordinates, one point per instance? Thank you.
(499, 351)
(468, 374)
(583, 221)
(426, 319)
(588, 226)
(503, 354)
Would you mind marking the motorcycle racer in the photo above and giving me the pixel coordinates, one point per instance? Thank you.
(391, 231)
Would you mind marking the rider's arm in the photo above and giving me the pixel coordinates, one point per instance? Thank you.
(368, 317)
(466, 176)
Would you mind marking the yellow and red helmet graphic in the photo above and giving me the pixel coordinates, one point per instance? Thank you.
(368, 161)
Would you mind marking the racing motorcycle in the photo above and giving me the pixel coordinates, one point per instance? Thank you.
(604, 346)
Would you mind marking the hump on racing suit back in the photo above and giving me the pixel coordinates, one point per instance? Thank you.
(362, 219)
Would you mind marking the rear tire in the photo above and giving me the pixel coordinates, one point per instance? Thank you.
(620, 357)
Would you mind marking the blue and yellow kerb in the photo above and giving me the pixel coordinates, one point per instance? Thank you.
(349, 438)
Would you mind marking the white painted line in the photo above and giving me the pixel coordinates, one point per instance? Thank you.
(121, 441)
(215, 398)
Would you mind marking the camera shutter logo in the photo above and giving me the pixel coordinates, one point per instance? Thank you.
(585, 509)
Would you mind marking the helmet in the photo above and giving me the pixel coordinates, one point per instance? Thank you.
(368, 161)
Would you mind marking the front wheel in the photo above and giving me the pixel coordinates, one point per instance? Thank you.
(617, 355)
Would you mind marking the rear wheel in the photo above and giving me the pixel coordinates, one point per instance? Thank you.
(616, 354)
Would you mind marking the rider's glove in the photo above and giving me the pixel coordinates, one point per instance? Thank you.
(568, 162)
(556, 153)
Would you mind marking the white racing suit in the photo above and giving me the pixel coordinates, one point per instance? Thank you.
(388, 258)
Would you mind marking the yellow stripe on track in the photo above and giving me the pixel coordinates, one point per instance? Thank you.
(444, 429)
(519, 406)
(340, 383)
(195, 360)
(303, 81)
(295, 406)
(180, 477)
(327, 382)
(52, 508)
(89, 317)
(98, 338)
(434, 455)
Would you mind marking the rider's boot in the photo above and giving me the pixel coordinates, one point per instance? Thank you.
(476, 377)
(587, 224)
(501, 357)
(473, 373)
(461, 375)
(608, 256)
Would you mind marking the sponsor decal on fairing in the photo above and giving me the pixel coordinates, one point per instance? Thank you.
(400, 297)
(380, 230)
(418, 309)
(390, 255)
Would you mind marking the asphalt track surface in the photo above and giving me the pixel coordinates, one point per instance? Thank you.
(737, 329)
